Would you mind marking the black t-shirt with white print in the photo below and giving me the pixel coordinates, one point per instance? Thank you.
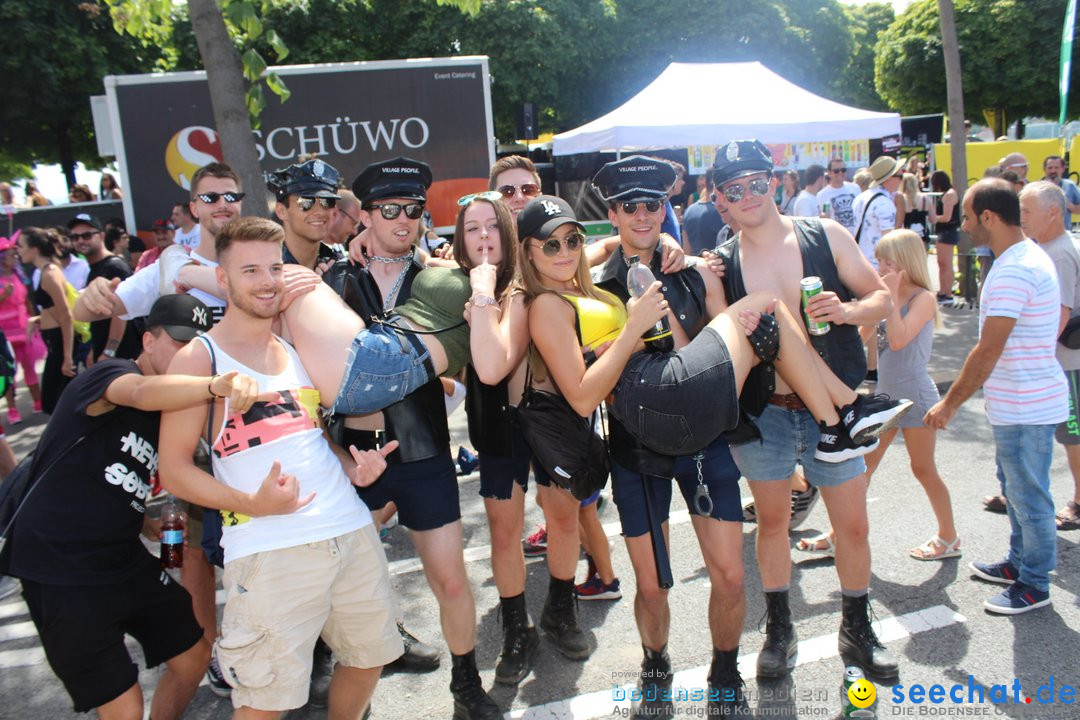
(81, 525)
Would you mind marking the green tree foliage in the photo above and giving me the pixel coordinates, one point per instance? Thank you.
(1008, 50)
(54, 58)
(854, 85)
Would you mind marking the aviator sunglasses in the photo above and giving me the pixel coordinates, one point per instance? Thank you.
(552, 246)
(735, 193)
(306, 203)
(229, 197)
(632, 207)
(390, 211)
(528, 190)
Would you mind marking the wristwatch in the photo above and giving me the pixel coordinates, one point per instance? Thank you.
(483, 300)
(109, 352)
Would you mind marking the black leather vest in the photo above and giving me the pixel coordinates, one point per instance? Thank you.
(418, 422)
(685, 292)
(841, 347)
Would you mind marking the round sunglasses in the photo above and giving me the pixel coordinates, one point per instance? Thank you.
(632, 207)
(552, 246)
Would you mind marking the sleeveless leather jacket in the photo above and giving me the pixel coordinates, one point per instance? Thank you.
(841, 347)
(488, 410)
(418, 422)
(685, 292)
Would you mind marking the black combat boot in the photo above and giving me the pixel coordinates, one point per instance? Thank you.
(860, 646)
(322, 672)
(520, 641)
(470, 700)
(778, 653)
(655, 685)
(418, 656)
(726, 696)
(560, 620)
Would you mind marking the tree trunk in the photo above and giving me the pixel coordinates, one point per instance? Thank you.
(67, 154)
(224, 75)
(957, 135)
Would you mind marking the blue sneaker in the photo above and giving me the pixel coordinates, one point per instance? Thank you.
(467, 461)
(999, 572)
(595, 589)
(1017, 598)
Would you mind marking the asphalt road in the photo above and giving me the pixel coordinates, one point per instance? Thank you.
(930, 614)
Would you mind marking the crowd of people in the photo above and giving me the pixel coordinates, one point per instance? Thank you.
(288, 380)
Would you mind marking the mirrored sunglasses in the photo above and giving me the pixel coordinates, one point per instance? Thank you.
(491, 195)
(735, 193)
(306, 203)
(390, 211)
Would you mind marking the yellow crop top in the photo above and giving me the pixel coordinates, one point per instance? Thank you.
(598, 322)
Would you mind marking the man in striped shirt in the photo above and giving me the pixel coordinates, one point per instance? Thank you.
(1024, 388)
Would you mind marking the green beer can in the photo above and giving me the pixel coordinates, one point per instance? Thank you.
(809, 287)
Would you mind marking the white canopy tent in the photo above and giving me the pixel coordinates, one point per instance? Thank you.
(713, 103)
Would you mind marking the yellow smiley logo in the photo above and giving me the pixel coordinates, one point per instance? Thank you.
(862, 693)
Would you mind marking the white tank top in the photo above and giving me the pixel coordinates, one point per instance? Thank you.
(287, 431)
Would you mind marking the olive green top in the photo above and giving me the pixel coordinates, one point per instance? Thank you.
(437, 301)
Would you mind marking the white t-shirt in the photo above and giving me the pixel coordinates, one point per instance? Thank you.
(1065, 254)
(840, 200)
(287, 431)
(806, 205)
(76, 273)
(1027, 385)
(189, 239)
(876, 209)
(141, 290)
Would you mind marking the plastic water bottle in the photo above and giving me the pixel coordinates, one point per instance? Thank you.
(172, 536)
(639, 278)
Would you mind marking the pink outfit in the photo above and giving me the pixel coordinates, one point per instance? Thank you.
(13, 317)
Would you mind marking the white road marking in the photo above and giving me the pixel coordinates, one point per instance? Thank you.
(600, 704)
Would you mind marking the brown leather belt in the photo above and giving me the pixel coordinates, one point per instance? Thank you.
(790, 401)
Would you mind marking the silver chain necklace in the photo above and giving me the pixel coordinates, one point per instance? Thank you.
(388, 303)
(391, 260)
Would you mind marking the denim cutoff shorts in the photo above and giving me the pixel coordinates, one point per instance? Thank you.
(383, 367)
(678, 403)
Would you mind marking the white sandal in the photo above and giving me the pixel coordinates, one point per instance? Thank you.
(928, 550)
(810, 546)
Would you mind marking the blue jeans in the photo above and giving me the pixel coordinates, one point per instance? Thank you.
(1023, 454)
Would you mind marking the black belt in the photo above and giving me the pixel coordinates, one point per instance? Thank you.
(363, 439)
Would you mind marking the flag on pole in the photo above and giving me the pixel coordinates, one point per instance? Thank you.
(1066, 57)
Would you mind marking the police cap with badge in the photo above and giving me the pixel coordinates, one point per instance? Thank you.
(311, 179)
(740, 158)
(634, 178)
(400, 177)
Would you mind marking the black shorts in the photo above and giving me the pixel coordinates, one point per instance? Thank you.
(82, 629)
(498, 474)
(425, 491)
(677, 403)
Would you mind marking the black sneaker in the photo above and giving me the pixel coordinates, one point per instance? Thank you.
(218, 686)
(871, 415)
(835, 445)
(802, 502)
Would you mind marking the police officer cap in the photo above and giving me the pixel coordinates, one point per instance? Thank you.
(634, 178)
(740, 158)
(400, 177)
(313, 178)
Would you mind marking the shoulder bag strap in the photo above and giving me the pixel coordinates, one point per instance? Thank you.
(858, 230)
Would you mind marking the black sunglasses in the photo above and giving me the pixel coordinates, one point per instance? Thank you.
(735, 193)
(306, 203)
(528, 190)
(632, 207)
(83, 235)
(229, 197)
(552, 246)
(390, 211)
(837, 171)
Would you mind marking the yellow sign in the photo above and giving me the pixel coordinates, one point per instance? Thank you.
(981, 155)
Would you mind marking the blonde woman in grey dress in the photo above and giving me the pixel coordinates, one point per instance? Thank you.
(908, 342)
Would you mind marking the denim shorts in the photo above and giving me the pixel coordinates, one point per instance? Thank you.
(789, 437)
(678, 403)
(383, 367)
(498, 473)
(718, 471)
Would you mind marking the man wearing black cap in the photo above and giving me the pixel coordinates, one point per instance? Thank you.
(635, 189)
(112, 337)
(87, 578)
(773, 253)
(307, 207)
(420, 478)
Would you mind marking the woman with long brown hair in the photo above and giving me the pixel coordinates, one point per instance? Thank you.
(36, 248)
